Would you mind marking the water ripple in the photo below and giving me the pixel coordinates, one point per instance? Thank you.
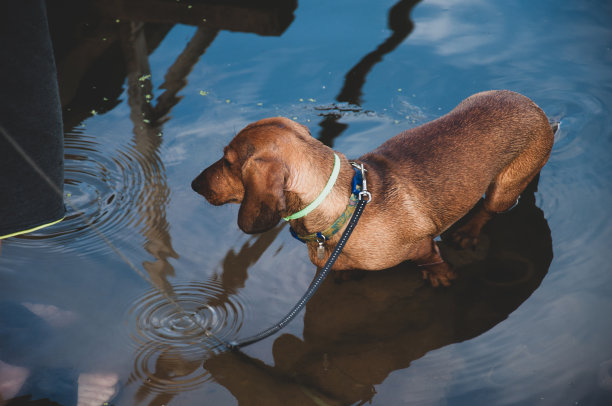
(174, 336)
(159, 368)
(109, 189)
(574, 195)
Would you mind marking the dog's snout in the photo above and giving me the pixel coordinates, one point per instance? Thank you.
(196, 184)
(218, 187)
(201, 185)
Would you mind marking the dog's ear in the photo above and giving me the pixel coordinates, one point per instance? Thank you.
(264, 197)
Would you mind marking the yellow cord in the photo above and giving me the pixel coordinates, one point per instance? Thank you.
(31, 229)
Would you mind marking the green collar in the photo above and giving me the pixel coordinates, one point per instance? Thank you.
(326, 234)
(359, 189)
(316, 202)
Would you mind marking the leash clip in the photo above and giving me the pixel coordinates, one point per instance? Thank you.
(364, 186)
(320, 246)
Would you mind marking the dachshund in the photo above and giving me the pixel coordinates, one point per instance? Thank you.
(421, 181)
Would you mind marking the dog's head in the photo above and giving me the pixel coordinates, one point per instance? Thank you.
(254, 171)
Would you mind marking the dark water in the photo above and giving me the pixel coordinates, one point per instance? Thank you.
(146, 107)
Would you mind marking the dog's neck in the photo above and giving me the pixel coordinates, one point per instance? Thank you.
(308, 180)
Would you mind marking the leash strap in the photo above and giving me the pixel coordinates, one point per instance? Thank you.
(234, 345)
(364, 198)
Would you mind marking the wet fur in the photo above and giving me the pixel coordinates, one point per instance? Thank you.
(422, 180)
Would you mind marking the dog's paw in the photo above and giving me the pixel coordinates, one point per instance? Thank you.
(464, 239)
(438, 274)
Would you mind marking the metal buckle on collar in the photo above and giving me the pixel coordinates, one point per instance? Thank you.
(359, 193)
(364, 186)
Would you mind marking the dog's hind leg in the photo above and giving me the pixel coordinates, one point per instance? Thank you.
(503, 193)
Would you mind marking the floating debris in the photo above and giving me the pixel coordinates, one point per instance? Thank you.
(260, 104)
(203, 93)
(144, 77)
(341, 108)
(94, 113)
(228, 101)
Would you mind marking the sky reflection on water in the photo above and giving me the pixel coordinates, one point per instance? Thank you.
(539, 338)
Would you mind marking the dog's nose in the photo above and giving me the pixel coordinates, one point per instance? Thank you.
(196, 184)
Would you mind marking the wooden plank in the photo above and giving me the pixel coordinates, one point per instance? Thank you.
(264, 17)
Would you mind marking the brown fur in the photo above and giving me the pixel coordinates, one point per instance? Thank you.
(422, 180)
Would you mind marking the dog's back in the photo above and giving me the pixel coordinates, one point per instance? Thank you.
(452, 161)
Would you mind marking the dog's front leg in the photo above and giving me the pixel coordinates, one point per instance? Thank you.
(431, 264)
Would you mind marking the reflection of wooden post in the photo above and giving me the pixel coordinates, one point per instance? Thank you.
(86, 40)
(175, 78)
(147, 139)
(140, 89)
(147, 120)
(401, 26)
(237, 264)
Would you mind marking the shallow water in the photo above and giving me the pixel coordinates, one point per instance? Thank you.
(528, 322)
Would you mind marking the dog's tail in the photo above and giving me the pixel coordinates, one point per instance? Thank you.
(554, 125)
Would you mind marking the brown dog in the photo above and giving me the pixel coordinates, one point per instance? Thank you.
(422, 180)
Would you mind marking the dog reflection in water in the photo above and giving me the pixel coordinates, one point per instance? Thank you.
(356, 332)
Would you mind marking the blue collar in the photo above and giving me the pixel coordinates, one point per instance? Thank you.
(340, 221)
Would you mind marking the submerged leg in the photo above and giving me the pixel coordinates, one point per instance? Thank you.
(466, 235)
(431, 264)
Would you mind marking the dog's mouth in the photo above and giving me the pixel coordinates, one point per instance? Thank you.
(218, 202)
(211, 196)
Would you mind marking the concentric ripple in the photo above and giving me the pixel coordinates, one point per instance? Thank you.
(175, 333)
(163, 368)
(105, 187)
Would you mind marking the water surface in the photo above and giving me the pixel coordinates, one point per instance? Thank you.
(528, 321)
